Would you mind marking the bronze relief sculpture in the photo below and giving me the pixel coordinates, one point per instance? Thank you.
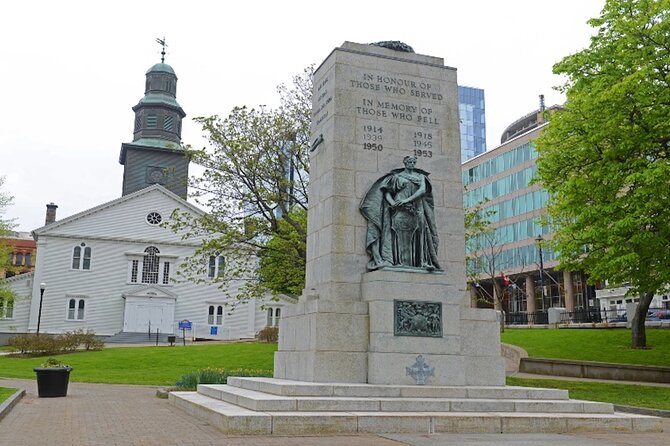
(401, 231)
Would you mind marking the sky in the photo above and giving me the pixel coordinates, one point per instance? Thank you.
(70, 71)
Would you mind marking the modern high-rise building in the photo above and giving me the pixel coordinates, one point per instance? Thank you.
(471, 111)
(500, 181)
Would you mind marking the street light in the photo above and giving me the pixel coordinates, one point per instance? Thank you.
(43, 287)
(539, 241)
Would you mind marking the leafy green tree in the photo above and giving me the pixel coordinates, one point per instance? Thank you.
(254, 186)
(605, 159)
(6, 295)
(282, 263)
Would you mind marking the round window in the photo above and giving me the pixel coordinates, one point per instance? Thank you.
(154, 218)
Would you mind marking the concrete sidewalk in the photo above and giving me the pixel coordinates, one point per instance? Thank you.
(122, 415)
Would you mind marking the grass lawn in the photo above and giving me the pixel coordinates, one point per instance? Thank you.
(623, 394)
(602, 345)
(148, 365)
(6, 392)
(165, 365)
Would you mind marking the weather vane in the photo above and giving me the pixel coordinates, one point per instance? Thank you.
(162, 42)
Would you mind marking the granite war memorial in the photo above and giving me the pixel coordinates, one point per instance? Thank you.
(383, 338)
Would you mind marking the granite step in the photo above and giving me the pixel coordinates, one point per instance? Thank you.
(283, 387)
(235, 420)
(260, 401)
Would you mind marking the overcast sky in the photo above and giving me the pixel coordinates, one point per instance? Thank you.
(70, 71)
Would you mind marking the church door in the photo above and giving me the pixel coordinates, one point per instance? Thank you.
(144, 315)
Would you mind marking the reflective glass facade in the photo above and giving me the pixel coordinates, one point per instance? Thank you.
(473, 123)
(500, 181)
(505, 181)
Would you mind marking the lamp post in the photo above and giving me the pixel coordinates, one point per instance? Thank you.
(43, 287)
(539, 241)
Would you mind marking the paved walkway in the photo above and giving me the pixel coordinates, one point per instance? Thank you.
(121, 415)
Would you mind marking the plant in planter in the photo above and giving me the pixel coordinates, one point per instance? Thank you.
(52, 378)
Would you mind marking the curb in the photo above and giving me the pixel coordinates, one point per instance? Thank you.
(642, 411)
(10, 402)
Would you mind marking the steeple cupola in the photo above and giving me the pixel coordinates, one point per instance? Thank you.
(156, 155)
(158, 115)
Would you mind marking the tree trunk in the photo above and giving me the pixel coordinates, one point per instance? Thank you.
(639, 336)
(497, 303)
(497, 295)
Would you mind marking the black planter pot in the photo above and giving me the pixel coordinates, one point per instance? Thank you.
(52, 382)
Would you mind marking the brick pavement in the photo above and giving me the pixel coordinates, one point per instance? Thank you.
(122, 415)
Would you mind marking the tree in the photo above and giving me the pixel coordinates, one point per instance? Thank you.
(282, 264)
(605, 158)
(482, 251)
(254, 186)
(6, 294)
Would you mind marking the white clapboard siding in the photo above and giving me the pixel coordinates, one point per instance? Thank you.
(125, 218)
(117, 232)
(21, 285)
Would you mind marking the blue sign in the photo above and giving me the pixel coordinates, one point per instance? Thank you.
(185, 325)
(213, 330)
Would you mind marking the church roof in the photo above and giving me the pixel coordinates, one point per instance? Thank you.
(160, 98)
(161, 67)
(179, 201)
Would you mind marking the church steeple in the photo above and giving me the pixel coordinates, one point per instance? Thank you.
(158, 115)
(155, 155)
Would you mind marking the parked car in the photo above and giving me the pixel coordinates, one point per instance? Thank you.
(619, 318)
(658, 314)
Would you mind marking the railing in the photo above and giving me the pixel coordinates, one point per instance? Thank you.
(584, 316)
(521, 318)
(592, 315)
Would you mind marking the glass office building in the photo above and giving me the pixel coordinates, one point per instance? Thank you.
(473, 123)
(500, 182)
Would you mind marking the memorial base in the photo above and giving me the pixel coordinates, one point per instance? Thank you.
(269, 406)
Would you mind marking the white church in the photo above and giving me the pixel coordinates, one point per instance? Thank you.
(110, 268)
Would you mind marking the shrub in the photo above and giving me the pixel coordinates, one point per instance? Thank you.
(269, 334)
(44, 345)
(86, 339)
(53, 363)
(190, 380)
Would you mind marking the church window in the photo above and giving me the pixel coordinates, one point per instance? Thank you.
(167, 123)
(28, 260)
(154, 218)
(152, 121)
(6, 308)
(76, 309)
(211, 320)
(150, 265)
(166, 273)
(138, 123)
(133, 270)
(76, 257)
(216, 267)
(86, 261)
(273, 316)
(81, 257)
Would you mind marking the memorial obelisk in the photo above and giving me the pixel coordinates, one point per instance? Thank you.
(385, 299)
